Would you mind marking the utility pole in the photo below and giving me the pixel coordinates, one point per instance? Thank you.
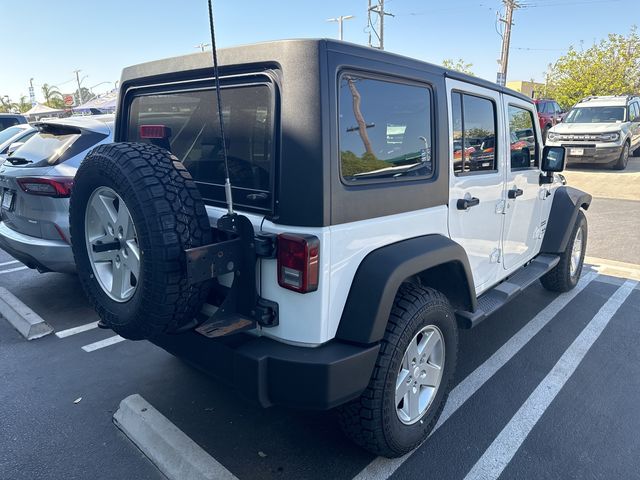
(510, 6)
(378, 10)
(340, 19)
(202, 46)
(80, 100)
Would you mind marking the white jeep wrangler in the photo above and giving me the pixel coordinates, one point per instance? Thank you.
(385, 203)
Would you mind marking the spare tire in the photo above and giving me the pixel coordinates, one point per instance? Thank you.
(134, 210)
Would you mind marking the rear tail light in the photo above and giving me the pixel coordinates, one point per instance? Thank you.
(154, 131)
(58, 187)
(298, 262)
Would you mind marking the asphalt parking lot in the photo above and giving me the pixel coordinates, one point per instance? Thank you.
(545, 388)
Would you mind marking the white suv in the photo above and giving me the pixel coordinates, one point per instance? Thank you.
(382, 203)
(600, 130)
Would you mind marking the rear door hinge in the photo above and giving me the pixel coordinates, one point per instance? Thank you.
(501, 207)
(266, 244)
(496, 256)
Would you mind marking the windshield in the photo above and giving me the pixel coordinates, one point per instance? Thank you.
(9, 133)
(45, 147)
(596, 115)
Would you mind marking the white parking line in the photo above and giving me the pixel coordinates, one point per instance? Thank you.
(12, 270)
(8, 263)
(504, 447)
(107, 342)
(74, 330)
(382, 468)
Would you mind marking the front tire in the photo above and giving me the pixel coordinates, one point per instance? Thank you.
(412, 376)
(565, 275)
(622, 162)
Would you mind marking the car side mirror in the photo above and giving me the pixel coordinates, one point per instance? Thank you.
(13, 147)
(553, 159)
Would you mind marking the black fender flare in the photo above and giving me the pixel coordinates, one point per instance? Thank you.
(567, 201)
(381, 272)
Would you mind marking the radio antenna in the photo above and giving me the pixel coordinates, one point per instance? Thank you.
(216, 74)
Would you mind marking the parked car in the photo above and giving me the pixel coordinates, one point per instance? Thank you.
(600, 130)
(549, 115)
(13, 137)
(35, 185)
(10, 119)
(356, 245)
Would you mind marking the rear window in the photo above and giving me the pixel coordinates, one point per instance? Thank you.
(52, 145)
(193, 135)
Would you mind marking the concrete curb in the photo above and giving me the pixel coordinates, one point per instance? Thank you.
(176, 455)
(26, 321)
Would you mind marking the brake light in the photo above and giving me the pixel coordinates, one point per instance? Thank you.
(154, 131)
(58, 187)
(298, 262)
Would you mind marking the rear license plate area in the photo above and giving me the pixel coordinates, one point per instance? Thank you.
(7, 200)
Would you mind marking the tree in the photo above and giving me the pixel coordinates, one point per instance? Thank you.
(6, 105)
(458, 65)
(610, 67)
(86, 96)
(51, 94)
(23, 105)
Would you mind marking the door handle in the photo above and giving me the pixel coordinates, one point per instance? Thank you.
(467, 203)
(514, 193)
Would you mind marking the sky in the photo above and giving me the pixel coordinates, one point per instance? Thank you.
(48, 39)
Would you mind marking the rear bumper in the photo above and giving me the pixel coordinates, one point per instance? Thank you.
(273, 373)
(47, 255)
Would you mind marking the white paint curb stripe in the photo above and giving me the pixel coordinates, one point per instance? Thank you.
(507, 443)
(13, 270)
(26, 321)
(107, 342)
(8, 263)
(382, 468)
(176, 455)
(75, 330)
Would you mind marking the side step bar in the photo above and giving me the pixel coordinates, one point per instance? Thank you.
(498, 296)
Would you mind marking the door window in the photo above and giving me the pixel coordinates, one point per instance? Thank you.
(523, 143)
(474, 134)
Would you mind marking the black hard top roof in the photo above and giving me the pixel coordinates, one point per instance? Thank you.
(279, 51)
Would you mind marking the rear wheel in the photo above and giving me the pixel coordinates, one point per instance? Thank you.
(623, 160)
(565, 275)
(134, 210)
(411, 379)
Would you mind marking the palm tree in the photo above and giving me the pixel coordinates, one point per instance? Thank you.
(50, 93)
(23, 105)
(6, 105)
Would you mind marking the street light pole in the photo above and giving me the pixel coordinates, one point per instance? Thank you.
(77, 72)
(340, 20)
(202, 46)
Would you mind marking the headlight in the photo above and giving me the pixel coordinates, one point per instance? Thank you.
(552, 136)
(609, 137)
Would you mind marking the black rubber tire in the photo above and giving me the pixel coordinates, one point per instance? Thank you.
(622, 162)
(169, 216)
(371, 420)
(559, 279)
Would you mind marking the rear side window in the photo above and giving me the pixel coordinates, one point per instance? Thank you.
(523, 143)
(385, 130)
(474, 134)
(193, 135)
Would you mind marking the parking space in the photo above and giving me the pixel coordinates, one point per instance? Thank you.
(502, 363)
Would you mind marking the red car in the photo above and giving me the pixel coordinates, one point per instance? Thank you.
(549, 114)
